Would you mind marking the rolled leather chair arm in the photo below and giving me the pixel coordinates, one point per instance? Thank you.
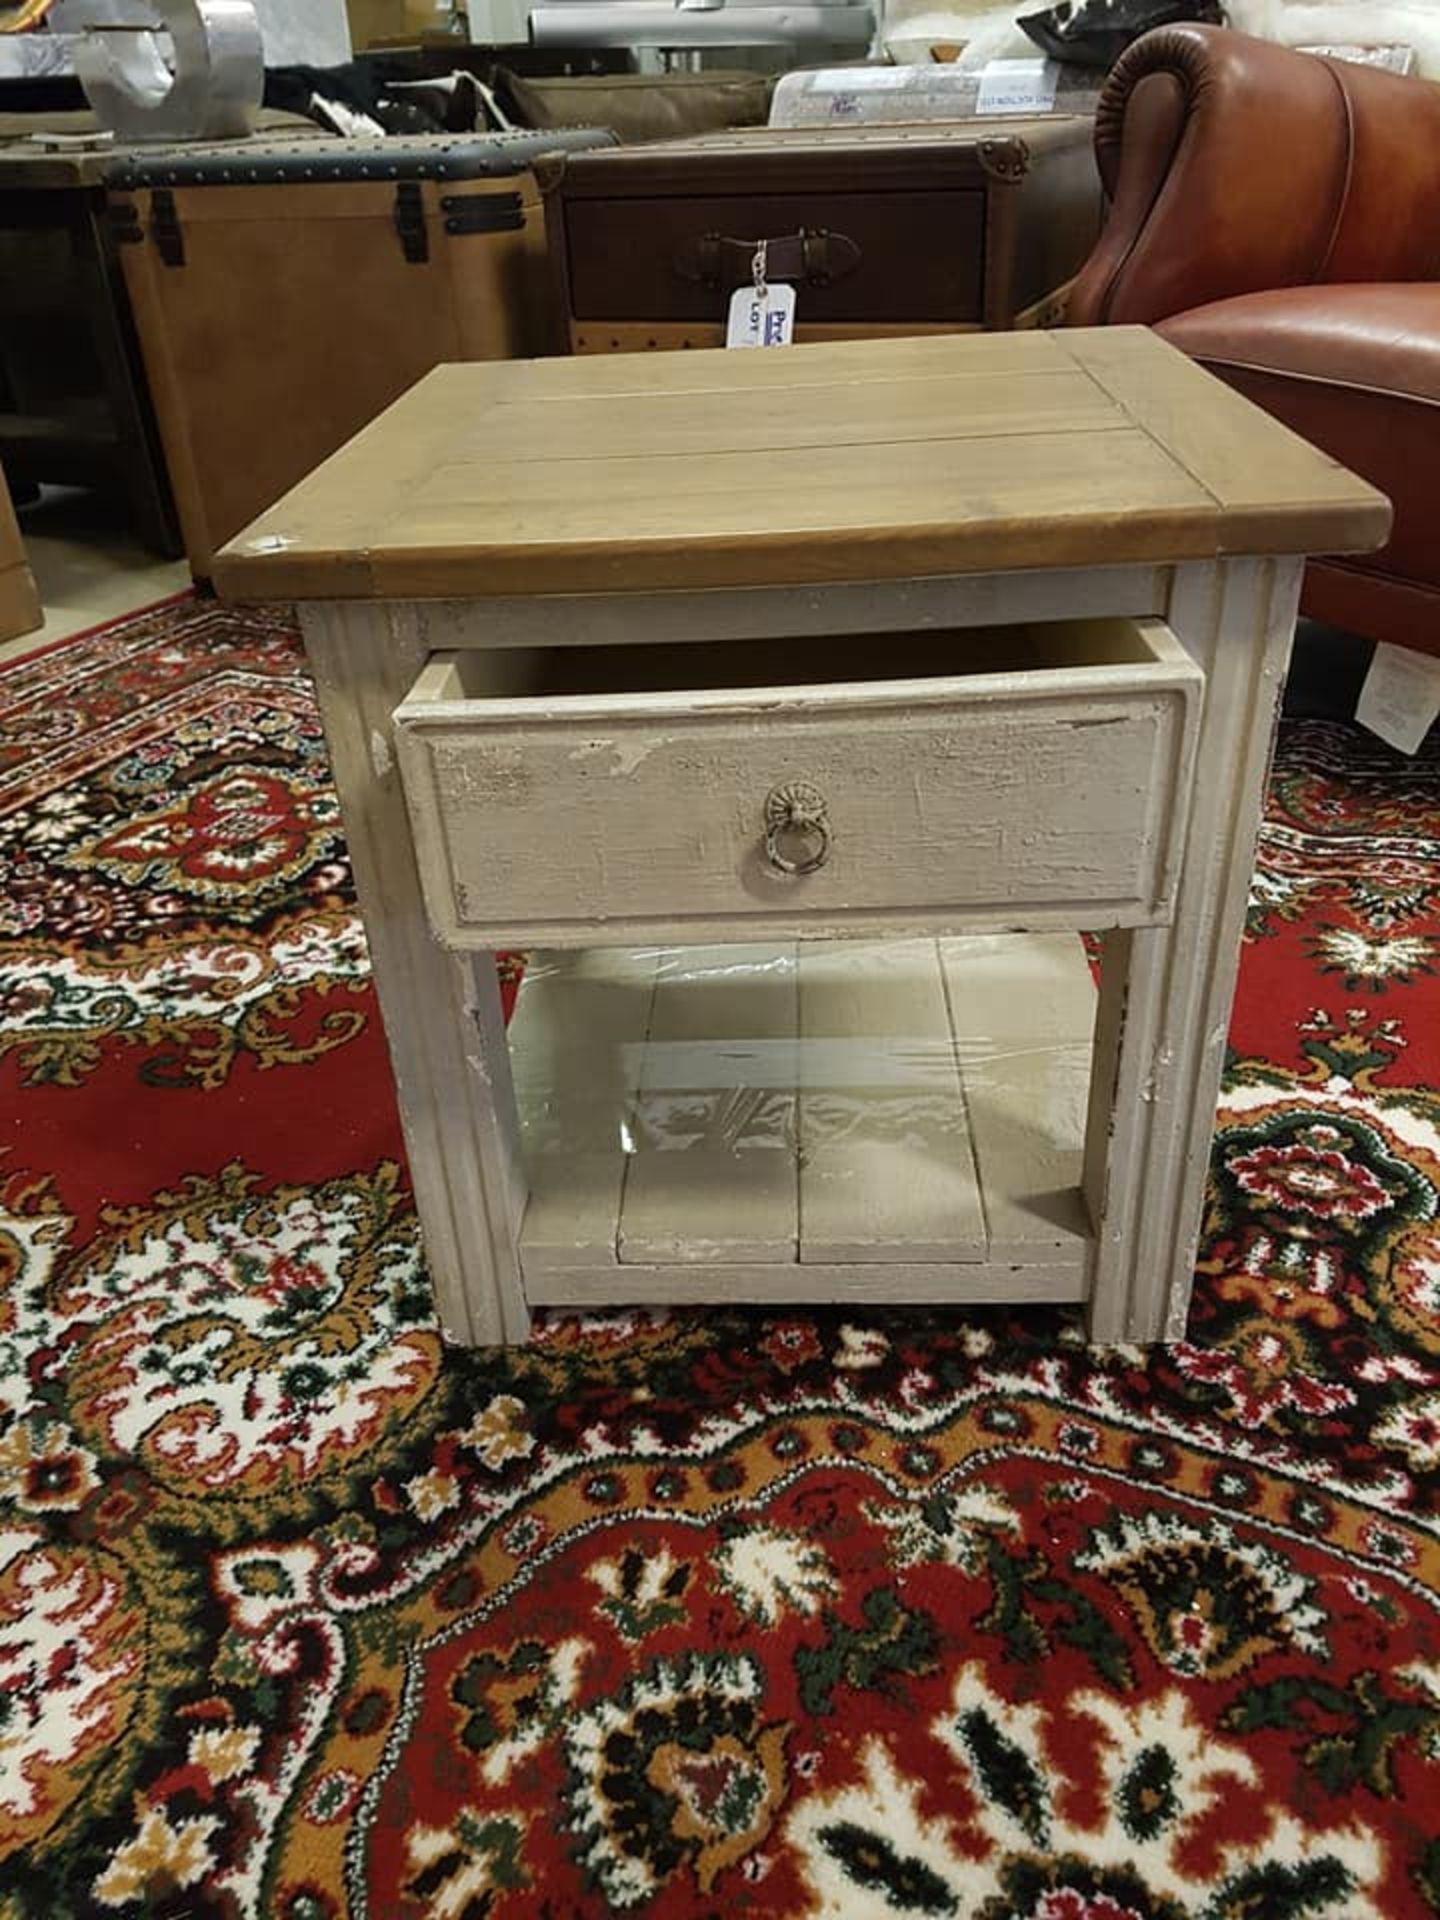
(1234, 166)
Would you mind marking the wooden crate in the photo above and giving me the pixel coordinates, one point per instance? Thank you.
(286, 292)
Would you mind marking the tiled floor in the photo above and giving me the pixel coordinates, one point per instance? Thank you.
(88, 566)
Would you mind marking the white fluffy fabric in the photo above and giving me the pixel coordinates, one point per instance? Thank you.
(990, 33)
(1366, 23)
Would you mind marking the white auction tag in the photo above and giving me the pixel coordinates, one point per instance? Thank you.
(761, 317)
(1400, 699)
(1018, 86)
(859, 79)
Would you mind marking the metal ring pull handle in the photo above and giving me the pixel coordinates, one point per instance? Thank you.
(797, 828)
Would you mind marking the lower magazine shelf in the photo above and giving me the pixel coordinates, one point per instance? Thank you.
(883, 1120)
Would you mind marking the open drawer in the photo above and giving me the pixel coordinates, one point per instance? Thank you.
(941, 781)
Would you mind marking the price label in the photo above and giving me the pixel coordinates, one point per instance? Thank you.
(1401, 697)
(1018, 86)
(761, 317)
(859, 79)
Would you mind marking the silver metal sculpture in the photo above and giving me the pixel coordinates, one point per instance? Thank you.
(210, 86)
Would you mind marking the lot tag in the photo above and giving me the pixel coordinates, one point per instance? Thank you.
(761, 319)
(1401, 696)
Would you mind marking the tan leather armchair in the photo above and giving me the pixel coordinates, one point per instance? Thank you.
(1277, 216)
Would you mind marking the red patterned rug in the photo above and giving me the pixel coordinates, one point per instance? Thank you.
(901, 1614)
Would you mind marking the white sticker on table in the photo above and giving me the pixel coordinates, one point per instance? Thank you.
(858, 79)
(1018, 86)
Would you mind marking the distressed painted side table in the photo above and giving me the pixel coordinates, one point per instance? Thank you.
(766, 698)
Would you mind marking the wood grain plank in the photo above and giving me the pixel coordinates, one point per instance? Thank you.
(773, 613)
(1161, 1040)
(577, 1038)
(1023, 1012)
(738, 1284)
(862, 511)
(602, 428)
(708, 1206)
(443, 1019)
(945, 794)
(324, 528)
(1275, 492)
(845, 363)
(713, 1175)
(887, 1172)
(843, 460)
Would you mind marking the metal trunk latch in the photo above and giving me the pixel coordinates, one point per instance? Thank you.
(165, 227)
(410, 222)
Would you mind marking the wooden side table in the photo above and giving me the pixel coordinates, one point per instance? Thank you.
(917, 643)
(74, 406)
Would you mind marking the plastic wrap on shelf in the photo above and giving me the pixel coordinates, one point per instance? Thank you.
(823, 1100)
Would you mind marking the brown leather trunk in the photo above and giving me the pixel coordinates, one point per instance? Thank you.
(640, 106)
(19, 603)
(970, 226)
(285, 297)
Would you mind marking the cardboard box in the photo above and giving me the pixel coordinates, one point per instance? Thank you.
(19, 605)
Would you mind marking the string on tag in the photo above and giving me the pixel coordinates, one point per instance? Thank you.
(758, 265)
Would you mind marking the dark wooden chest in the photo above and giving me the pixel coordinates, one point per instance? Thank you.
(971, 226)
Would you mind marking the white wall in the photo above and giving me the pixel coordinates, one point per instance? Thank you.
(1413, 23)
(988, 30)
(991, 32)
(304, 33)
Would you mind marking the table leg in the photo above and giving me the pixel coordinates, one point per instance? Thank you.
(138, 457)
(1166, 991)
(442, 1011)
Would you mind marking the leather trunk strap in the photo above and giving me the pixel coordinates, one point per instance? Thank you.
(813, 257)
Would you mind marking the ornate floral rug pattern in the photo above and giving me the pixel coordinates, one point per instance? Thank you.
(900, 1614)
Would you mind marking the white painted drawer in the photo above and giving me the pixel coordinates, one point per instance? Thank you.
(1032, 776)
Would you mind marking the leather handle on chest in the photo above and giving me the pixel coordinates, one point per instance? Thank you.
(813, 257)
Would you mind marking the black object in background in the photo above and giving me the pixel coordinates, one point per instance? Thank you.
(1094, 33)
